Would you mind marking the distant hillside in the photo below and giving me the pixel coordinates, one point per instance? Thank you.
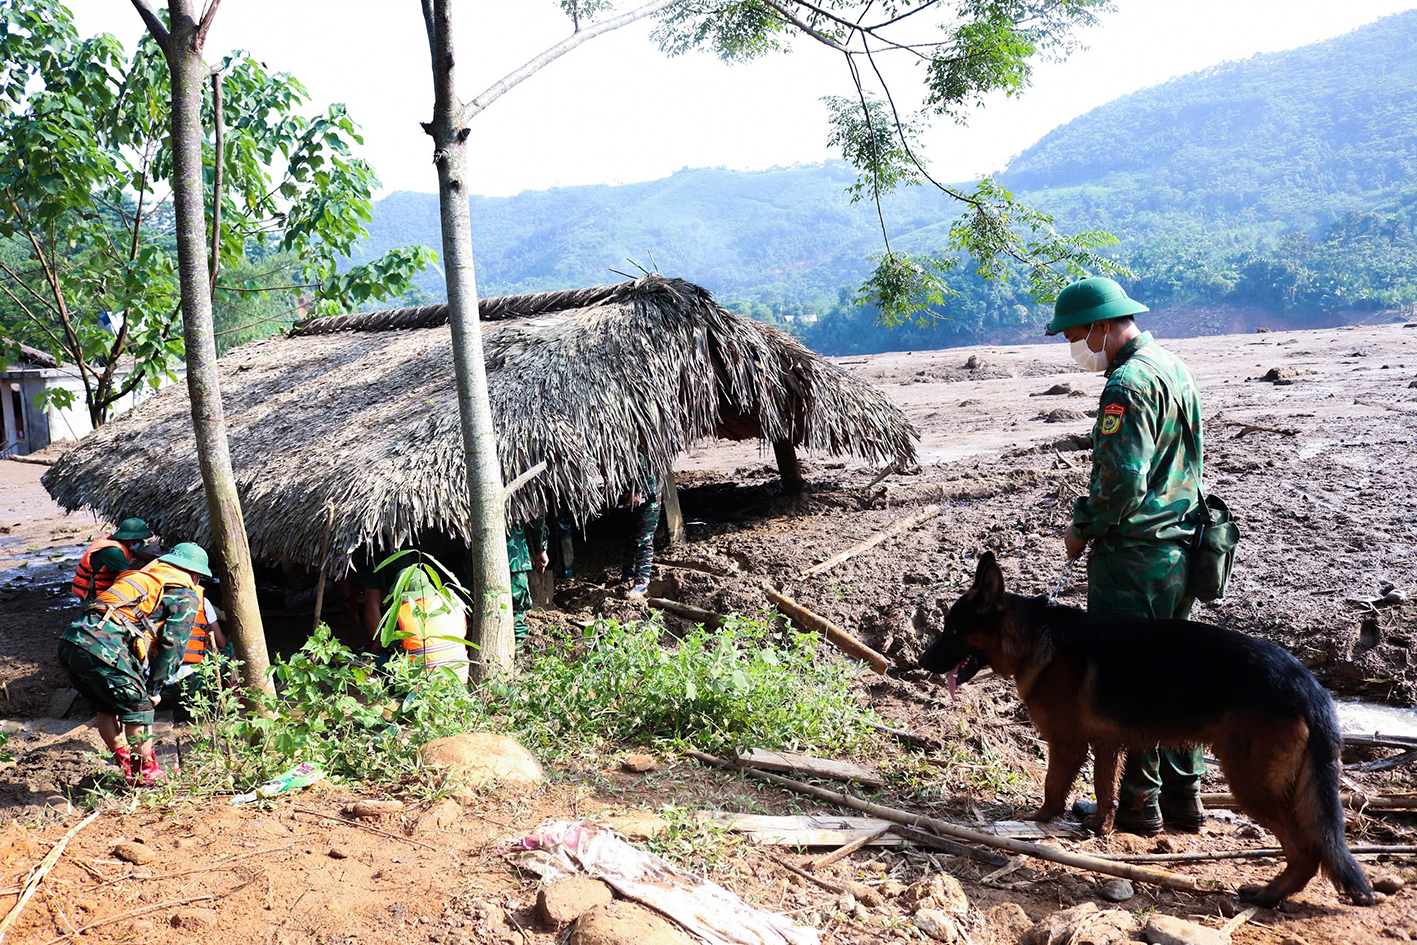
(1283, 187)
(782, 238)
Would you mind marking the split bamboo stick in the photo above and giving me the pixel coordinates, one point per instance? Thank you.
(32, 884)
(1037, 851)
(915, 521)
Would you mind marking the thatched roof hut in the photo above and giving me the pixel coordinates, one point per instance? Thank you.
(606, 385)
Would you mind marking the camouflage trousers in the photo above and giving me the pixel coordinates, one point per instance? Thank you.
(1147, 581)
(640, 554)
(113, 686)
(521, 603)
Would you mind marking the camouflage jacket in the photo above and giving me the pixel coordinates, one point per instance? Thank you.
(524, 540)
(1145, 473)
(109, 642)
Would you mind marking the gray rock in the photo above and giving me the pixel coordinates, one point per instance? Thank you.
(1168, 930)
(937, 925)
(61, 702)
(1116, 890)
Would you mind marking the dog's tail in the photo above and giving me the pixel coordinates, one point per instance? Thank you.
(1319, 802)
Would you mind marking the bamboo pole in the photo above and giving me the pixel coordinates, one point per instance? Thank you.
(1350, 801)
(843, 641)
(1256, 854)
(324, 564)
(36, 877)
(915, 521)
(706, 617)
(1037, 851)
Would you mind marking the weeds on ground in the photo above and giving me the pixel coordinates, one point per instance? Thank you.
(699, 846)
(743, 684)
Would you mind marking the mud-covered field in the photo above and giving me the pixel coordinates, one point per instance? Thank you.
(1317, 463)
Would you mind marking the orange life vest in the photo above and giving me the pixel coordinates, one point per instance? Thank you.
(198, 641)
(430, 652)
(133, 596)
(85, 577)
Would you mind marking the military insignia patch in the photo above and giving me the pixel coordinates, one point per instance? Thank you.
(1112, 418)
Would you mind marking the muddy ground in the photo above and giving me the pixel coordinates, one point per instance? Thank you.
(1319, 469)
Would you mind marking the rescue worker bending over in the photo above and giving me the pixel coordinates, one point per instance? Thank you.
(109, 557)
(129, 640)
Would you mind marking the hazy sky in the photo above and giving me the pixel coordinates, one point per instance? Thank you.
(617, 110)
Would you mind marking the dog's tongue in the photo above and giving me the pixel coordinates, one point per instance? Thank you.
(954, 678)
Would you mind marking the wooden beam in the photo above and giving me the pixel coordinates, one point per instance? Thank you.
(673, 515)
(706, 617)
(904, 525)
(842, 640)
(787, 466)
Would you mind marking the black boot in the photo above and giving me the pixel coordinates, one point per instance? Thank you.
(1184, 813)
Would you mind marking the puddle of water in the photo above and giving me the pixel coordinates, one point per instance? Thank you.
(1356, 717)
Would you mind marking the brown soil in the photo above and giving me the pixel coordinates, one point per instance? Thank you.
(1329, 516)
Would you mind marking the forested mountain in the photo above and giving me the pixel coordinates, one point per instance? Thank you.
(1283, 184)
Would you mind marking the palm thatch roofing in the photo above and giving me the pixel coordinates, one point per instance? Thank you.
(607, 385)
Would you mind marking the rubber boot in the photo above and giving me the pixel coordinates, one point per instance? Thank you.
(152, 772)
(123, 757)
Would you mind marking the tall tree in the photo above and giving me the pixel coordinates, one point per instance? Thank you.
(492, 612)
(181, 40)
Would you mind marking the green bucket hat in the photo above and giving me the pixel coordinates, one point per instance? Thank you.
(189, 557)
(1091, 300)
(132, 529)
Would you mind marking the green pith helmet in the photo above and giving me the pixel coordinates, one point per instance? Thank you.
(189, 557)
(1092, 300)
(132, 529)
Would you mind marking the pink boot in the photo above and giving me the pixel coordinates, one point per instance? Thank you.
(124, 759)
(152, 772)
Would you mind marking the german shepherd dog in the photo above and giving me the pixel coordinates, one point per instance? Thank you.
(1115, 683)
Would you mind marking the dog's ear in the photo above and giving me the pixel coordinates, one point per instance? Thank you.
(988, 582)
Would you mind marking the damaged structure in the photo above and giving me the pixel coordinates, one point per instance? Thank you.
(605, 385)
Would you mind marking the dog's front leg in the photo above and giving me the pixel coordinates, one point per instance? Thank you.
(1106, 770)
(1065, 760)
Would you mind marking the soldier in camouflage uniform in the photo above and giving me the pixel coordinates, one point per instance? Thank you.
(526, 545)
(640, 554)
(1139, 513)
(129, 641)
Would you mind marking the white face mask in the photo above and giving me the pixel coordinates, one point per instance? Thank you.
(1087, 359)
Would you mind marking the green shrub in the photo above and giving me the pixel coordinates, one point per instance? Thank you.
(743, 684)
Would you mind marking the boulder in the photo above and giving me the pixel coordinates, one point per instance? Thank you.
(1169, 930)
(476, 758)
(626, 923)
(563, 901)
(1083, 924)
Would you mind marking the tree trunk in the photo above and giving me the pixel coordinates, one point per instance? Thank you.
(491, 626)
(182, 47)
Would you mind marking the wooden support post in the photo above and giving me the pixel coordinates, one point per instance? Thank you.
(673, 515)
(787, 466)
(324, 564)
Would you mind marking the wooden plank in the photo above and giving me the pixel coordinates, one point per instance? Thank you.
(810, 830)
(830, 768)
(673, 515)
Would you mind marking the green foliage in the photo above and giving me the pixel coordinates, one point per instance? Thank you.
(84, 154)
(870, 142)
(742, 684)
(449, 594)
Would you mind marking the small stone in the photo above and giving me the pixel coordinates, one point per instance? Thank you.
(1169, 930)
(1165, 845)
(182, 843)
(846, 902)
(86, 905)
(141, 927)
(1292, 940)
(637, 825)
(442, 816)
(891, 888)
(1008, 921)
(372, 810)
(937, 925)
(136, 853)
(563, 901)
(1116, 890)
(61, 702)
(1388, 884)
(639, 763)
(338, 853)
(194, 919)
